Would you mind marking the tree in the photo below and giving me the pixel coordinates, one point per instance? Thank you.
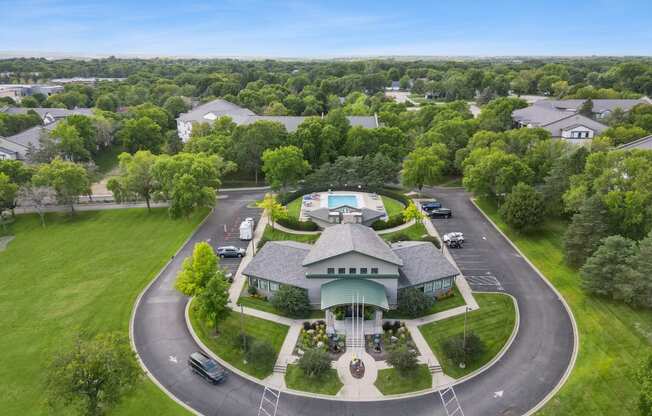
(314, 362)
(292, 301)
(8, 192)
(212, 301)
(106, 102)
(261, 354)
(424, 166)
(175, 105)
(68, 180)
(38, 196)
(141, 134)
(94, 375)
(461, 350)
(284, 166)
(412, 212)
(272, 208)
(413, 302)
(523, 208)
(188, 195)
(642, 263)
(403, 359)
(586, 109)
(585, 231)
(249, 143)
(494, 172)
(497, 114)
(69, 143)
(644, 378)
(197, 270)
(609, 271)
(136, 178)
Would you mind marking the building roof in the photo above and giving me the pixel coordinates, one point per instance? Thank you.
(207, 113)
(280, 261)
(422, 263)
(644, 143)
(538, 115)
(54, 112)
(346, 291)
(345, 238)
(30, 135)
(572, 121)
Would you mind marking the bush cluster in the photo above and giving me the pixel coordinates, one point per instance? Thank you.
(393, 221)
(454, 347)
(295, 224)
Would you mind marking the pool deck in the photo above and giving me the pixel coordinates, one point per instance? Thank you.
(365, 200)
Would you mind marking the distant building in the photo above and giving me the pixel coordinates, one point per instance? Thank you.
(48, 115)
(644, 143)
(211, 111)
(562, 119)
(17, 91)
(84, 80)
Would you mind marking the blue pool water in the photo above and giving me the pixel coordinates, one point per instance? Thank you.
(335, 201)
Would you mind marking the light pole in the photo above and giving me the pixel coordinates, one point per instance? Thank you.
(463, 363)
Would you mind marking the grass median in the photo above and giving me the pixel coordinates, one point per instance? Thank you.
(390, 381)
(613, 337)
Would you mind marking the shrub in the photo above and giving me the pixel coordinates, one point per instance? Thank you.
(307, 325)
(314, 362)
(241, 341)
(402, 358)
(292, 301)
(252, 290)
(261, 353)
(393, 221)
(387, 326)
(295, 224)
(523, 208)
(413, 302)
(454, 347)
(400, 236)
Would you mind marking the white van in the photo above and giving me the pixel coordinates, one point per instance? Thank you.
(247, 229)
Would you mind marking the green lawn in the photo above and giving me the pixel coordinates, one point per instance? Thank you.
(294, 208)
(222, 344)
(79, 274)
(493, 323)
(275, 234)
(328, 384)
(107, 159)
(390, 381)
(414, 232)
(392, 206)
(266, 306)
(613, 337)
(451, 182)
(439, 305)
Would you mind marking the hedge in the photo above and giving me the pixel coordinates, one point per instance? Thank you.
(393, 221)
(295, 224)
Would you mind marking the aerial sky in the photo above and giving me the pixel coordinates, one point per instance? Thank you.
(312, 28)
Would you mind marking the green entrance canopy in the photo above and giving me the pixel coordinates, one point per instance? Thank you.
(343, 292)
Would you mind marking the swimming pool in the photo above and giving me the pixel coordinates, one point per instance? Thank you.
(335, 201)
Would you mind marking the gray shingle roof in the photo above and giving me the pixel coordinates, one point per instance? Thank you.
(279, 261)
(344, 238)
(545, 112)
(30, 135)
(599, 105)
(644, 143)
(55, 112)
(422, 262)
(244, 116)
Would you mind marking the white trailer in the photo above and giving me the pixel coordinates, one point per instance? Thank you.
(246, 230)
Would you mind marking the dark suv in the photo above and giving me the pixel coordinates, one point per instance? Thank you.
(206, 367)
(440, 213)
(231, 251)
(430, 205)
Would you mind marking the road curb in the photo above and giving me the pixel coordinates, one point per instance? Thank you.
(133, 316)
(576, 334)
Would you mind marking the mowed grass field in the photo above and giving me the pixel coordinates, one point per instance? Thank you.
(613, 337)
(77, 275)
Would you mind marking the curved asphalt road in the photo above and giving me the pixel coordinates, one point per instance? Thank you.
(531, 367)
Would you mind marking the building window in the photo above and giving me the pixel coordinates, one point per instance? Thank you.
(353, 270)
(363, 270)
(437, 284)
(427, 287)
(446, 283)
(273, 287)
(331, 270)
(341, 270)
(374, 270)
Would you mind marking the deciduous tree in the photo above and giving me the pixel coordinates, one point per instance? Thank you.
(197, 270)
(284, 166)
(68, 180)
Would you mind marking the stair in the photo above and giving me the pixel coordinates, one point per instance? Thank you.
(280, 368)
(434, 369)
(354, 343)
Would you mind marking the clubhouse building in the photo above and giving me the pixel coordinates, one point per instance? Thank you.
(348, 262)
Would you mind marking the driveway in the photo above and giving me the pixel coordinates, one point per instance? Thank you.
(529, 370)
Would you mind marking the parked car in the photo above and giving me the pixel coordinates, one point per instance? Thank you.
(440, 213)
(430, 205)
(453, 240)
(231, 251)
(206, 367)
